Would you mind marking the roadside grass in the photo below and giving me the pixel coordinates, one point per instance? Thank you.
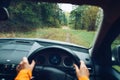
(82, 37)
(79, 37)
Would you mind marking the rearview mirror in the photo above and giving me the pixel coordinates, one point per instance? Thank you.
(116, 55)
(4, 15)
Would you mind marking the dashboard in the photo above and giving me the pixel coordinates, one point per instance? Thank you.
(46, 53)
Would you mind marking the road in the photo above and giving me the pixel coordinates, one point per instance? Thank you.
(67, 28)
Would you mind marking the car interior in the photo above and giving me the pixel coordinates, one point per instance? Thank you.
(55, 59)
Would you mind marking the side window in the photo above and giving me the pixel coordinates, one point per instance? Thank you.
(114, 47)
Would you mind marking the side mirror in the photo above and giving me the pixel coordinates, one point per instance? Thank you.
(4, 15)
(116, 55)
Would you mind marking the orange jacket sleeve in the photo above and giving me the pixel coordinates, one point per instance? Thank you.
(83, 78)
(24, 74)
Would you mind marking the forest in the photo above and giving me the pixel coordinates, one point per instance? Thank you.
(26, 15)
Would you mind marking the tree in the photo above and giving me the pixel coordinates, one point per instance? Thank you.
(26, 15)
(84, 17)
(90, 18)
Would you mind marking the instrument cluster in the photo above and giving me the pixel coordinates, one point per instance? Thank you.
(54, 60)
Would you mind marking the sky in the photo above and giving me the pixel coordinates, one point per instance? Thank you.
(66, 7)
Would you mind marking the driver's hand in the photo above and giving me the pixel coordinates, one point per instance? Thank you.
(24, 64)
(82, 71)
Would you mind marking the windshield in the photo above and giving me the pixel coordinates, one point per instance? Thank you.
(54, 21)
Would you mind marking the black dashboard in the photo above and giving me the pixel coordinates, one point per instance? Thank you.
(13, 50)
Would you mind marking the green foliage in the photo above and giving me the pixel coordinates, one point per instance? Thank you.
(84, 17)
(22, 13)
(50, 14)
(62, 18)
(26, 15)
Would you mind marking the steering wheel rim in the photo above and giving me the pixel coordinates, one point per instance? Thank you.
(52, 70)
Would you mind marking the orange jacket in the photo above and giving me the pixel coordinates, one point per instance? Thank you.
(83, 78)
(26, 74)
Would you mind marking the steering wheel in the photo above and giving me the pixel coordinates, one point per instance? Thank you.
(50, 72)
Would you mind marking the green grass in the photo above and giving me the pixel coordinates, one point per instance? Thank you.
(83, 37)
(80, 37)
